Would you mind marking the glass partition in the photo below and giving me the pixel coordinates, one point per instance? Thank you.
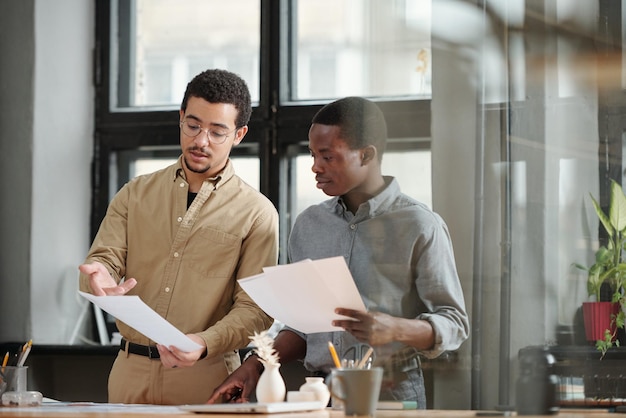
(525, 124)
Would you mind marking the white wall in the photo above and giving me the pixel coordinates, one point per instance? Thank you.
(46, 139)
(16, 101)
(62, 154)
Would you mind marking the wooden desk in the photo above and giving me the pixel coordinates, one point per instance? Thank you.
(327, 413)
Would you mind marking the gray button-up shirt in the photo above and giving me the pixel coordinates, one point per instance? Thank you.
(400, 255)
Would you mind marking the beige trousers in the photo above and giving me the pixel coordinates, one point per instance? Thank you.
(138, 379)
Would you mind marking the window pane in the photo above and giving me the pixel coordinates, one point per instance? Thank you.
(164, 43)
(413, 171)
(362, 48)
(149, 165)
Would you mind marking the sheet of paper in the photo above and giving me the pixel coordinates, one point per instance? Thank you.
(304, 295)
(136, 314)
(79, 409)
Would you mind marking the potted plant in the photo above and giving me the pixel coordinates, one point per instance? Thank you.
(610, 268)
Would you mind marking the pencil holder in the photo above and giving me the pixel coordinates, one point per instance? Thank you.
(14, 387)
(14, 379)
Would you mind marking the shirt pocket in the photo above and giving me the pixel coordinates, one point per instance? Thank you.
(213, 253)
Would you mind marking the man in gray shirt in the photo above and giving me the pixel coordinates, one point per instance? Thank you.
(398, 251)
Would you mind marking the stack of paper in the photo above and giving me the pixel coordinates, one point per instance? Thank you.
(304, 295)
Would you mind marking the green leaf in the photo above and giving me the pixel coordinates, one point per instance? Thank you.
(603, 345)
(603, 256)
(616, 297)
(594, 282)
(619, 321)
(602, 216)
(617, 209)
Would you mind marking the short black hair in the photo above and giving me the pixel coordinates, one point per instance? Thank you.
(221, 86)
(360, 120)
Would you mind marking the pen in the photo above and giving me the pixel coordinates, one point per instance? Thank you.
(365, 358)
(333, 354)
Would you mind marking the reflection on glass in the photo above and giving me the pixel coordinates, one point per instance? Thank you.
(164, 43)
(362, 48)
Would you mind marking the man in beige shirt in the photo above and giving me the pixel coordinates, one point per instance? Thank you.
(180, 238)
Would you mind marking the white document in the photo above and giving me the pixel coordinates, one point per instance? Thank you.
(304, 295)
(136, 314)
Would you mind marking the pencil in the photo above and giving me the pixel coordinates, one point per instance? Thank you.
(365, 358)
(25, 353)
(6, 360)
(333, 354)
(25, 350)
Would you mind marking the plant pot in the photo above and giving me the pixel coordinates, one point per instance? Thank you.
(598, 317)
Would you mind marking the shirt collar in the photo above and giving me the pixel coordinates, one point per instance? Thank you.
(377, 204)
(218, 180)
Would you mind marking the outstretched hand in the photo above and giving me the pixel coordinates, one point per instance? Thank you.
(101, 281)
(238, 387)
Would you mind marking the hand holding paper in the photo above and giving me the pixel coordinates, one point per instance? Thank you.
(135, 313)
(304, 295)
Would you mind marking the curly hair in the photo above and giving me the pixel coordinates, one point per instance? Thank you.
(361, 122)
(221, 86)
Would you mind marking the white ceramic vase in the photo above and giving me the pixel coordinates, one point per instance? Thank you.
(271, 386)
(318, 387)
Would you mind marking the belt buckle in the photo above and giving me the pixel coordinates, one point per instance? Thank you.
(410, 364)
(405, 360)
(150, 352)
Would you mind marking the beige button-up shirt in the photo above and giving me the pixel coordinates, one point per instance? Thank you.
(187, 261)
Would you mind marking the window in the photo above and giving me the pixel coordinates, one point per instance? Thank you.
(363, 48)
(368, 48)
(150, 49)
(164, 43)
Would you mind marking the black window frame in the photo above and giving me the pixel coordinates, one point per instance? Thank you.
(275, 127)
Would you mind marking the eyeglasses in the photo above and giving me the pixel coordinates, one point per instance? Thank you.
(215, 136)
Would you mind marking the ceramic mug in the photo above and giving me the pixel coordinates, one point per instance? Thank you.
(357, 389)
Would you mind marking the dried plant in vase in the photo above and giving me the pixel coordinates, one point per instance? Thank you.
(271, 386)
(264, 348)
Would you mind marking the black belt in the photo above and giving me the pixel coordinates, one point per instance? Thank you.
(149, 351)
